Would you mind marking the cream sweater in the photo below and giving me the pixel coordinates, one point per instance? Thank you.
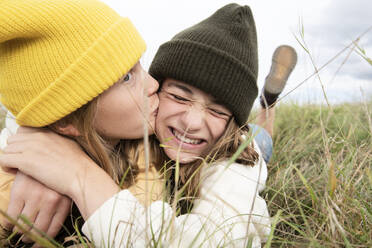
(228, 213)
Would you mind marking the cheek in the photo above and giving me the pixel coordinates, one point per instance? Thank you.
(217, 129)
(165, 111)
(160, 122)
(127, 105)
(116, 112)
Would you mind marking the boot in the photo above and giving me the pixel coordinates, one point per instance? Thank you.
(283, 62)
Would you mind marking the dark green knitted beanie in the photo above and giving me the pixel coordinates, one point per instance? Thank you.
(218, 56)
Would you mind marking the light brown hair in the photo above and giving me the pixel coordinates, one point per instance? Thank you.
(119, 162)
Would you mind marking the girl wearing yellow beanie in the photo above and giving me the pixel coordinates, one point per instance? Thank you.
(73, 66)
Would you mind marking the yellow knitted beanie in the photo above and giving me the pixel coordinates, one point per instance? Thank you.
(55, 56)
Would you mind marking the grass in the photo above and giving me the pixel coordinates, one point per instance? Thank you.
(320, 176)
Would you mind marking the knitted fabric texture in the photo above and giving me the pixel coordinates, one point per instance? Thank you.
(218, 56)
(56, 56)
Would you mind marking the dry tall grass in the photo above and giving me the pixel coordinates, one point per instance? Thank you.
(320, 176)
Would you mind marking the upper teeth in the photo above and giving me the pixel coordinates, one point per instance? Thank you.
(184, 139)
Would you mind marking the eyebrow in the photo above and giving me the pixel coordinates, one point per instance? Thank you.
(181, 87)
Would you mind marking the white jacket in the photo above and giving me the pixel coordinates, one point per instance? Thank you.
(228, 212)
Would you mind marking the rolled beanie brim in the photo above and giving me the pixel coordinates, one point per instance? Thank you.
(104, 63)
(175, 60)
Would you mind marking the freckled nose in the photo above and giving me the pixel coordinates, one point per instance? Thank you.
(193, 119)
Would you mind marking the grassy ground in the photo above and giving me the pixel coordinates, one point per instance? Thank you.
(320, 176)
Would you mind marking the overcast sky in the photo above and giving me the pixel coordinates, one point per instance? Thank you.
(329, 26)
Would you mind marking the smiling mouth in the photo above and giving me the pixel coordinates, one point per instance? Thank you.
(184, 139)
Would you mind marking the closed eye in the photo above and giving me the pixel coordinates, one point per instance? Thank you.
(220, 113)
(178, 97)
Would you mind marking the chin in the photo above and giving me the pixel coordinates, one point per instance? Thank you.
(150, 130)
(183, 158)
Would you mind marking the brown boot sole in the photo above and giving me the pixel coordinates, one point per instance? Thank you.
(283, 62)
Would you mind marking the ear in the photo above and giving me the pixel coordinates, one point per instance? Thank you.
(68, 130)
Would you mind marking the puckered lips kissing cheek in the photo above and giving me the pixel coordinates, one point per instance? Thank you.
(152, 110)
(154, 105)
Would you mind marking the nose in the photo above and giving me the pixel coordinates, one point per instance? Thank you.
(152, 85)
(193, 119)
